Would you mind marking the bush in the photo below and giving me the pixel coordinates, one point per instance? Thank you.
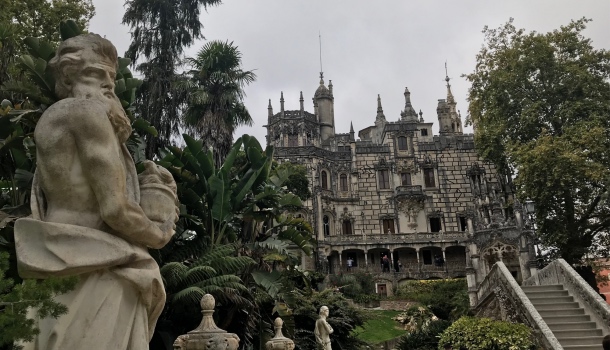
(366, 298)
(485, 334)
(423, 339)
(343, 318)
(447, 299)
(354, 285)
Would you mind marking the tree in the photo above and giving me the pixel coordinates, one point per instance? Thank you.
(297, 182)
(160, 30)
(540, 103)
(215, 89)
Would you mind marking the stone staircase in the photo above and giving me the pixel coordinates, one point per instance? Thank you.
(568, 321)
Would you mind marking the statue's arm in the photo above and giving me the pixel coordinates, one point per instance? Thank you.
(100, 156)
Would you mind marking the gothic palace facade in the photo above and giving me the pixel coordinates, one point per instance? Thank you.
(427, 202)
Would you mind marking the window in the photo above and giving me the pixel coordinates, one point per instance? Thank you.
(324, 179)
(347, 227)
(435, 224)
(388, 226)
(405, 179)
(384, 179)
(424, 132)
(402, 143)
(326, 224)
(343, 182)
(429, 177)
(463, 223)
(293, 140)
(343, 148)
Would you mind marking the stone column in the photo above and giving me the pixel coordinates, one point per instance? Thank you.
(279, 342)
(340, 261)
(524, 259)
(207, 335)
(366, 259)
(470, 226)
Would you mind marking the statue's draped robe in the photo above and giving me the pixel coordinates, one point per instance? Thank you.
(120, 294)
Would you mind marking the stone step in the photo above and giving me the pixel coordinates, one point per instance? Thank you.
(552, 300)
(581, 341)
(547, 294)
(582, 347)
(562, 312)
(558, 306)
(542, 288)
(558, 326)
(577, 333)
(560, 319)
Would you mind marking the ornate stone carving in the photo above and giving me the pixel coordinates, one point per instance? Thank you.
(410, 207)
(207, 336)
(279, 342)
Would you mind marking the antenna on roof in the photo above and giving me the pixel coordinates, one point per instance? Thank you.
(320, 40)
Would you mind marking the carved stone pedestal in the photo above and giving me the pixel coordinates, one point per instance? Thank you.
(279, 342)
(207, 336)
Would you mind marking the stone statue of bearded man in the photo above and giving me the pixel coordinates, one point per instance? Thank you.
(87, 217)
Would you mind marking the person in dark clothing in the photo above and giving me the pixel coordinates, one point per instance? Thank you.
(606, 342)
(386, 264)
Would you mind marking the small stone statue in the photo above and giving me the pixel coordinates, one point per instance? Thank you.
(323, 330)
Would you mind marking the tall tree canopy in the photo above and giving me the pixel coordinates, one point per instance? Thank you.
(540, 105)
(215, 96)
(160, 30)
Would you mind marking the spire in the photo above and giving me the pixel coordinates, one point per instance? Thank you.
(282, 102)
(351, 132)
(270, 109)
(450, 98)
(330, 86)
(421, 116)
(321, 78)
(409, 113)
(301, 102)
(379, 109)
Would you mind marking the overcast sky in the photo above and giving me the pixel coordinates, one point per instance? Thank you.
(368, 48)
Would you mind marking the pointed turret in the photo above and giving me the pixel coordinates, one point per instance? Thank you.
(351, 132)
(449, 121)
(270, 109)
(380, 115)
(323, 102)
(409, 114)
(421, 116)
(301, 102)
(282, 102)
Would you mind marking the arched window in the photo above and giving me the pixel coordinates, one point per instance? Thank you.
(326, 225)
(343, 183)
(324, 180)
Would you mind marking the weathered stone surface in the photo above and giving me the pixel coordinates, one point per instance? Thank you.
(86, 215)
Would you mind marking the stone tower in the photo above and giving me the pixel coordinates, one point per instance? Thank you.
(449, 120)
(323, 102)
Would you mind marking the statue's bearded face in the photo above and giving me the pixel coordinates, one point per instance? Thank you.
(85, 67)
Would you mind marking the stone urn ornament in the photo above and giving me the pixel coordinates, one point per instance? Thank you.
(279, 342)
(207, 336)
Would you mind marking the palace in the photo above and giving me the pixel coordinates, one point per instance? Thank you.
(427, 202)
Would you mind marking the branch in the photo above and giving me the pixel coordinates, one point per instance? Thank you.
(591, 207)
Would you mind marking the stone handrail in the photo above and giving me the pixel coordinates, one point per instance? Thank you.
(502, 284)
(560, 272)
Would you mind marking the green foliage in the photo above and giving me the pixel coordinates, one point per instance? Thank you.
(416, 318)
(424, 339)
(214, 87)
(343, 318)
(16, 299)
(297, 182)
(485, 334)
(540, 104)
(354, 285)
(160, 30)
(379, 327)
(447, 299)
(366, 298)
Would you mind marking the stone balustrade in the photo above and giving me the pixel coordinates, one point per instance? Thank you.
(398, 238)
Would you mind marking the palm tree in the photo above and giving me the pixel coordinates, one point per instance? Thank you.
(215, 90)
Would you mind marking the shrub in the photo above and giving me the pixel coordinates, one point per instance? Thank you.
(485, 334)
(423, 339)
(447, 299)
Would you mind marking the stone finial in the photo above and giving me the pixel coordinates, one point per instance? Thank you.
(207, 336)
(301, 102)
(351, 132)
(421, 116)
(279, 342)
(282, 102)
(270, 109)
(330, 86)
(380, 114)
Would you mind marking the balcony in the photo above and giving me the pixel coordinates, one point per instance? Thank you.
(409, 271)
(397, 238)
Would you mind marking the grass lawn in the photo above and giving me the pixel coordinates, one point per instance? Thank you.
(379, 327)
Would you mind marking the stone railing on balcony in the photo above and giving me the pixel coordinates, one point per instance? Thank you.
(560, 272)
(410, 270)
(397, 238)
(411, 190)
(499, 293)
